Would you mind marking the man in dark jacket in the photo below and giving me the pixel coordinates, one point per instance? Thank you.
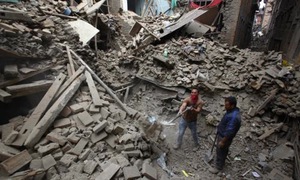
(226, 130)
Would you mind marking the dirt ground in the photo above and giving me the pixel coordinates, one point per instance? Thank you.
(148, 99)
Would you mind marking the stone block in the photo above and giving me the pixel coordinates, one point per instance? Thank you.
(139, 164)
(131, 172)
(111, 140)
(67, 159)
(11, 137)
(48, 161)
(94, 109)
(76, 108)
(66, 112)
(90, 166)
(149, 171)
(97, 117)
(118, 129)
(110, 127)
(122, 161)
(85, 154)
(98, 137)
(104, 112)
(56, 138)
(79, 147)
(61, 123)
(58, 155)
(108, 172)
(36, 164)
(135, 153)
(47, 149)
(129, 147)
(85, 118)
(66, 148)
(99, 127)
(73, 138)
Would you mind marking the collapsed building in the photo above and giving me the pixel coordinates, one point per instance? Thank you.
(84, 87)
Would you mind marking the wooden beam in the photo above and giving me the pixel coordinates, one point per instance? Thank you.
(70, 60)
(270, 131)
(95, 7)
(266, 102)
(4, 96)
(46, 121)
(39, 111)
(21, 78)
(93, 90)
(108, 90)
(69, 81)
(16, 162)
(30, 88)
(13, 15)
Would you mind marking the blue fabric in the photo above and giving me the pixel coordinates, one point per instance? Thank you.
(183, 124)
(230, 123)
(222, 153)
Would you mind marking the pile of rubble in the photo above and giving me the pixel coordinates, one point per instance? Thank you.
(84, 129)
(78, 128)
(190, 62)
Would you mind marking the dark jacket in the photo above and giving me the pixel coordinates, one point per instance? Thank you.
(230, 123)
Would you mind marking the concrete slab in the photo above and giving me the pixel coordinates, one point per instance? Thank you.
(131, 172)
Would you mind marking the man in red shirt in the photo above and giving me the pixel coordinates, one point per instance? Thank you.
(189, 117)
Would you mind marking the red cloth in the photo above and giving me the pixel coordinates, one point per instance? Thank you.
(212, 4)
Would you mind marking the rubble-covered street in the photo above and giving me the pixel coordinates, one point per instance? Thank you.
(86, 89)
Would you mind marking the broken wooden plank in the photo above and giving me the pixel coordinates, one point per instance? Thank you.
(186, 18)
(46, 121)
(126, 95)
(39, 111)
(93, 90)
(270, 131)
(148, 30)
(8, 27)
(4, 96)
(14, 15)
(95, 7)
(16, 162)
(6, 130)
(21, 78)
(69, 81)
(108, 90)
(30, 88)
(81, 5)
(70, 60)
(7, 152)
(266, 102)
(79, 147)
(69, 70)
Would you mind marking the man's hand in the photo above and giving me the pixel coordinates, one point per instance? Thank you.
(179, 113)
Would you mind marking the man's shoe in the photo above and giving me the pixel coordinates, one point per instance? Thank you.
(213, 170)
(176, 146)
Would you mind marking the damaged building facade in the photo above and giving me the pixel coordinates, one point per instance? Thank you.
(284, 28)
(87, 86)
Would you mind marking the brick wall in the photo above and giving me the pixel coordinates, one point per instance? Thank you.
(284, 31)
(238, 20)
